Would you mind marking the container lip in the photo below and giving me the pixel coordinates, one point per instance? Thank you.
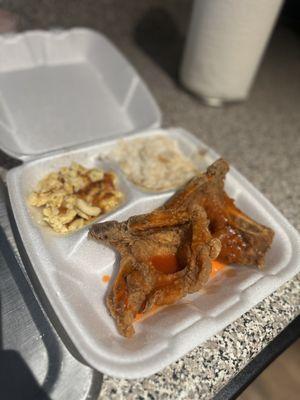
(27, 157)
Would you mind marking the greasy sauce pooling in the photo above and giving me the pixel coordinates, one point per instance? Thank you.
(168, 264)
(106, 278)
(165, 263)
(216, 266)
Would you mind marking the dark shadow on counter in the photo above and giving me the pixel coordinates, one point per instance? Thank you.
(16, 378)
(159, 37)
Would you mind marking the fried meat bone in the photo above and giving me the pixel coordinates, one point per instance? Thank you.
(198, 224)
(243, 240)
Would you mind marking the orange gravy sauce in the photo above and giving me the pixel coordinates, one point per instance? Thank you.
(106, 278)
(165, 263)
(216, 266)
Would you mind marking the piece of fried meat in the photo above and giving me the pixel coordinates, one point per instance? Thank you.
(244, 241)
(159, 263)
(166, 254)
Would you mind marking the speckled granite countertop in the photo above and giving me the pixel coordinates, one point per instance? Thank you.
(260, 137)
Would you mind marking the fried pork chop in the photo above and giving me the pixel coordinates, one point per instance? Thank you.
(166, 254)
(243, 240)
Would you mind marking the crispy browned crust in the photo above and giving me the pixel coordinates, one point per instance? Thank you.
(198, 224)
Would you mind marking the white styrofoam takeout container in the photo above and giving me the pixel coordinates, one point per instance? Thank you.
(70, 268)
(62, 88)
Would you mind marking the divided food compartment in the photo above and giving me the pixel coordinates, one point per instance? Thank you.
(71, 269)
(68, 96)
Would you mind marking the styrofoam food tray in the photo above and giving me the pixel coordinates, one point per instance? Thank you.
(61, 88)
(70, 270)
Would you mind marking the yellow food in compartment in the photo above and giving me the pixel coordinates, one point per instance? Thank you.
(75, 196)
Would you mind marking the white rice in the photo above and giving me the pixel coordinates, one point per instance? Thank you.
(155, 164)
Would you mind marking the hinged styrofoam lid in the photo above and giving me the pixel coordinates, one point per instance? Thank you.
(63, 88)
